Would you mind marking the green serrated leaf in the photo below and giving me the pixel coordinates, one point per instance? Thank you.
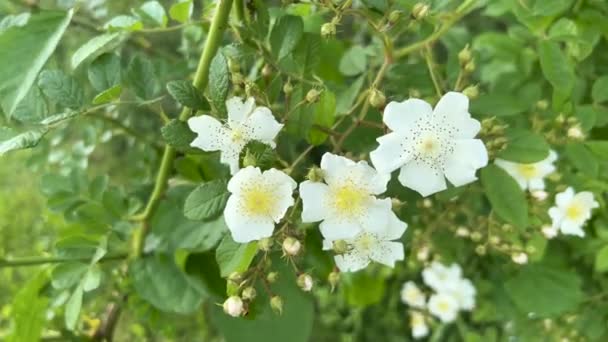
(92, 278)
(599, 92)
(95, 47)
(28, 139)
(152, 12)
(324, 116)
(177, 134)
(141, 78)
(285, 35)
(61, 89)
(181, 11)
(582, 159)
(28, 310)
(66, 275)
(105, 72)
(123, 23)
(207, 201)
(556, 67)
(186, 94)
(506, 197)
(108, 95)
(234, 257)
(219, 81)
(33, 108)
(354, 61)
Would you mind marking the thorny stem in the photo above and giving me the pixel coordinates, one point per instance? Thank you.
(201, 77)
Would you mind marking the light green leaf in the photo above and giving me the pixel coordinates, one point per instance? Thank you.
(551, 8)
(31, 46)
(354, 61)
(95, 47)
(324, 116)
(10, 141)
(28, 310)
(123, 23)
(219, 81)
(186, 94)
(207, 201)
(234, 257)
(582, 159)
(141, 78)
(108, 95)
(601, 260)
(105, 72)
(598, 147)
(285, 35)
(66, 275)
(181, 11)
(599, 92)
(33, 108)
(152, 11)
(159, 281)
(556, 67)
(61, 89)
(92, 278)
(17, 20)
(507, 198)
(346, 98)
(525, 147)
(72, 308)
(363, 289)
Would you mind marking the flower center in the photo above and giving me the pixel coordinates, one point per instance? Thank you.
(432, 142)
(527, 170)
(258, 201)
(365, 242)
(443, 307)
(574, 212)
(237, 135)
(348, 199)
(429, 146)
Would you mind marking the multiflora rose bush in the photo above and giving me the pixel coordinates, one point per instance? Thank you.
(328, 170)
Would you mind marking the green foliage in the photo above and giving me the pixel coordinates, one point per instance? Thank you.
(506, 197)
(234, 257)
(207, 201)
(187, 95)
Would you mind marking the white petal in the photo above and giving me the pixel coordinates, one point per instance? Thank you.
(586, 197)
(402, 116)
(468, 156)
(387, 253)
(352, 261)
(263, 126)
(374, 182)
(375, 217)
(569, 227)
(230, 156)
(422, 178)
(243, 178)
(280, 178)
(245, 228)
(556, 215)
(238, 111)
(335, 167)
(564, 198)
(394, 228)
(283, 186)
(453, 108)
(334, 229)
(314, 199)
(211, 133)
(536, 184)
(390, 154)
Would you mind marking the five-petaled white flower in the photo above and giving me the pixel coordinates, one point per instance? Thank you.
(418, 323)
(443, 306)
(571, 211)
(346, 201)
(464, 293)
(246, 122)
(258, 201)
(442, 278)
(431, 145)
(412, 296)
(370, 245)
(530, 176)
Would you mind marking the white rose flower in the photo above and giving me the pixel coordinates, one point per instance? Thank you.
(572, 211)
(345, 202)
(431, 145)
(246, 122)
(412, 296)
(530, 176)
(257, 201)
(418, 324)
(441, 278)
(464, 293)
(371, 245)
(443, 306)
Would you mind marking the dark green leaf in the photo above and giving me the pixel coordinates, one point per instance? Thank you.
(505, 195)
(601, 260)
(582, 159)
(354, 61)
(525, 147)
(186, 94)
(33, 108)
(599, 92)
(177, 134)
(105, 72)
(141, 78)
(324, 117)
(207, 201)
(61, 89)
(285, 35)
(556, 67)
(219, 80)
(95, 47)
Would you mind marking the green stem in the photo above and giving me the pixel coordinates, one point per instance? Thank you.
(239, 11)
(201, 78)
(35, 261)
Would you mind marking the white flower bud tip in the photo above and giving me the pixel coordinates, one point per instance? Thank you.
(291, 246)
(305, 282)
(276, 303)
(549, 232)
(540, 195)
(520, 258)
(233, 306)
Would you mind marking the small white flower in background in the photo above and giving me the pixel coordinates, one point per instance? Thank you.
(443, 306)
(571, 211)
(540, 195)
(520, 258)
(246, 123)
(576, 133)
(464, 292)
(549, 231)
(233, 306)
(530, 176)
(257, 201)
(441, 278)
(412, 296)
(418, 324)
(372, 245)
(345, 202)
(431, 145)
(423, 254)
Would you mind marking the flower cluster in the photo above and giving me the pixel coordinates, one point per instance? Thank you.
(571, 212)
(450, 293)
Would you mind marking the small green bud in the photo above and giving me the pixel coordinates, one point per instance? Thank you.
(249, 159)
(265, 244)
(480, 249)
(340, 246)
(288, 88)
(276, 303)
(272, 277)
(333, 278)
(465, 56)
(377, 98)
(315, 174)
(305, 282)
(235, 277)
(420, 11)
(249, 293)
(267, 71)
(291, 246)
(472, 92)
(313, 95)
(542, 104)
(469, 67)
(394, 16)
(476, 236)
(328, 30)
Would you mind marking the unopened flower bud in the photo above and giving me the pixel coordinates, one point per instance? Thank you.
(237, 78)
(249, 293)
(233, 65)
(340, 246)
(235, 277)
(315, 174)
(462, 231)
(233, 306)
(396, 203)
(288, 88)
(291, 246)
(333, 278)
(495, 240)
(472, 92)
(480, 250)
(420, 11)
(542, 104)
(520, 258)
(394, 16)
(549, 232)
(328, 30)
(476, 236)
(465, 56)
(427, 203)
(249, 159)
(423, 254)
(575, 132)
(272, 277)
(276, 303)
(313, 95)
(377, 98)
(305, 282)
(540, 195)
(267, 71)
(469, 67)
(265, 244)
